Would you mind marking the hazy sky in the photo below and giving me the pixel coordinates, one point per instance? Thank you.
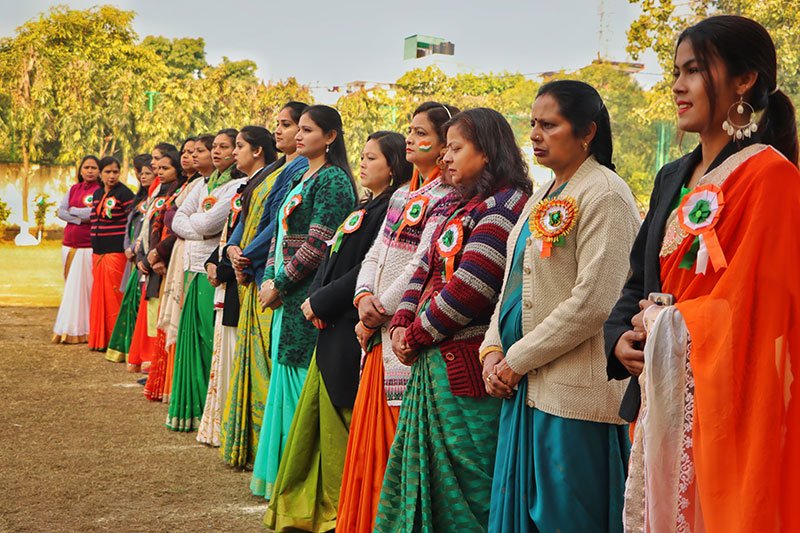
(329, 43)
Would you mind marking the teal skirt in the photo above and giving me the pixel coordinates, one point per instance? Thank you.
(439, 475)
(556, 474)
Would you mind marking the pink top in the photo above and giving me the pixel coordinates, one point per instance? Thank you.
(75, 210)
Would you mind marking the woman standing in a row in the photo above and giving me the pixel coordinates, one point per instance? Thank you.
(72, 321)
(247, 251)
(120, 341)
(253, 155)
(318, 201)
(309, 479)
(560, 440)
(199, 221)
(110, 206)
(406, 235)
(170, 253)
(446, 416)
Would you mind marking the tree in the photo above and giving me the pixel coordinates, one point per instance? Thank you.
(69, 76)
(183, 57)
(660, 23)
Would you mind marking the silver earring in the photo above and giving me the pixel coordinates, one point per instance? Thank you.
(327, 148)
(739, 130)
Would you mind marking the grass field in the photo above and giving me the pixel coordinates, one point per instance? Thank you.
(32, 276)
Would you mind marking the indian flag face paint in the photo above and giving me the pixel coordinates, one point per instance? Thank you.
(425, 146)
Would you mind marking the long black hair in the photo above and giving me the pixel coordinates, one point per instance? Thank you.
(743, 45)
(580, 104)
(438, 114)
(393, 148)
(328, 119)
(80, 166)
(492, 135)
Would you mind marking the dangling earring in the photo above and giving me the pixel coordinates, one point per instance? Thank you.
(585, 146)
(327, 148)
(440, 163)
(740, 130)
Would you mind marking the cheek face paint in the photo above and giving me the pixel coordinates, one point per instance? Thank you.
(425, 146)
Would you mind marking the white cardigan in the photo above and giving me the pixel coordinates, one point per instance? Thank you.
(568, 296)
(201, 229)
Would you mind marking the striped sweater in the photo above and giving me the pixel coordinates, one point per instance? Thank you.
(393, 259)
(109, 218)
(457, 312)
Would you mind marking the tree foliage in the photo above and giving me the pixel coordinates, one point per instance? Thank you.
(80, 81)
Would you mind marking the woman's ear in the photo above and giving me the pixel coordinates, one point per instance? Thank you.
(589, 137)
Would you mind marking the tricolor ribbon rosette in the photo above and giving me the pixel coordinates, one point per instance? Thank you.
(207, 203)
(698, 214)
(87, 200)
(551, 221)
(412, 214)
(353, 221)
(350, 225)
(108, 206)
(142, 207)
(160, 204)
(290, 206)
(236, 208)
(449, 244)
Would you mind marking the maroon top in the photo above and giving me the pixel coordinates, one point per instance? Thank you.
(80, 196)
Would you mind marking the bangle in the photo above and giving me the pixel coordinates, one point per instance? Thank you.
(360, 296)
(370, 327)
(486, 351)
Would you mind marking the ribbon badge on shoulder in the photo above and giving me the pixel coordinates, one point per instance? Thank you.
(109, 205)
(207, 203)
(449, 244)
(413, 213)
(174, 196)
(698, 214)
(160, 204)
(87, 200)
(236, 208)
(142, 207)
(551, 221)
(294, 201)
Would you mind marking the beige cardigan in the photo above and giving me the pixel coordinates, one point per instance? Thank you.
(567, 297)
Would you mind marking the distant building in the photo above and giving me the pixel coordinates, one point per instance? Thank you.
(418, 46)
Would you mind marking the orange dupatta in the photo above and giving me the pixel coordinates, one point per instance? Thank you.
(744, 324)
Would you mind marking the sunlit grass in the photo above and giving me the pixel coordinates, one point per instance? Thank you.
(31, 275)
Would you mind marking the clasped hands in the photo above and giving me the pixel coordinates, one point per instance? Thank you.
(498, 378)
(239, 262)
(630, 346)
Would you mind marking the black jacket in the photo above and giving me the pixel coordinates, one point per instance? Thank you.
(331, 293)
(646, 264)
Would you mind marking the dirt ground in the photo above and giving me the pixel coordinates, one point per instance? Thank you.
(82, 450)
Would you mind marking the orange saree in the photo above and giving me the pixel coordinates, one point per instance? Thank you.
(718, 439)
